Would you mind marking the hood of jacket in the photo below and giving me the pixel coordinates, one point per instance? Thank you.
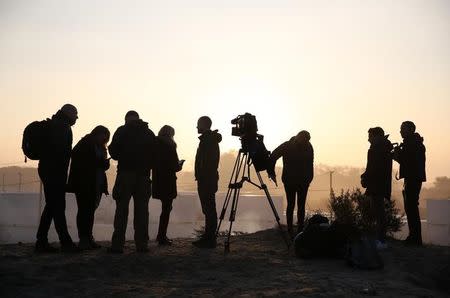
(415, 138)
(62, 118)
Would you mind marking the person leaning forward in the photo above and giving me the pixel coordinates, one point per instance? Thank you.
(207, 176)
(298, 172)
(133, 147)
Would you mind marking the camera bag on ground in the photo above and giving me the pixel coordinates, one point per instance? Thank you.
(34, 140)
(362, 254)
(320, 239)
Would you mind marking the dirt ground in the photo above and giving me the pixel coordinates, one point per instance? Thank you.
(258, 265)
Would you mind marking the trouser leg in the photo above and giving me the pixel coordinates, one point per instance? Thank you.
(141, 198)
(301, 202)
(166, 207)
(55, 194)
(290, 197)
(207, 195)
(379, 216)
(44, 224)
(122, 191)
(412, 192)
(85, 215)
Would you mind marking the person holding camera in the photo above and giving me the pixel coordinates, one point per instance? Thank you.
(298, 172)
(87, 179)
(377, 179)
(133, 146)
(165, 179)
(206, 164)
(411, 156)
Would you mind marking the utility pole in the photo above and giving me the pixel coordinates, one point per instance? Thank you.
(331, 183)
(20, 182)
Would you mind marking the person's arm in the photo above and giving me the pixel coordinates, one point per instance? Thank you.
(114, 147)
(274, 156)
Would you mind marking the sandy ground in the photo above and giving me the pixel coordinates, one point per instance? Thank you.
(258, 265)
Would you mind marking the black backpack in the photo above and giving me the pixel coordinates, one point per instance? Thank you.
(363, 254)
(35, 138)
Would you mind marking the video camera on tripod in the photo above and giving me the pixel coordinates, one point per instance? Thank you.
(253, 152)
(246, 128)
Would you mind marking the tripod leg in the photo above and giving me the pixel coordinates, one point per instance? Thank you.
(234, 205)
(233, 177)
(274, 209)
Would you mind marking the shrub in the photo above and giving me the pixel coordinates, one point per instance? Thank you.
(353, 208)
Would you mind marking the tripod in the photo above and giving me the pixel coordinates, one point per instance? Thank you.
(242, 165)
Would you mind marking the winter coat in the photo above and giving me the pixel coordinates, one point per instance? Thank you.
(207, 157)
(411, 158)
(87, 168)
(164, 172)
(298, 160)
(55, 159)
(378, 175)
(133, 146)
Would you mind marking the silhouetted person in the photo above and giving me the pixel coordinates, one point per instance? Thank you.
(207, 176)
(133, 147)
(165, 179)
(87, 179)
(377, 179)
(298, 172)
(52, 169)
(411, 157)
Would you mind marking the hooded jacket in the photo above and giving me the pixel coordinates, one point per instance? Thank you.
(164, 172)
(378, 175)
(411, 158)
(55, 159)
(87, 168)
(207, 157)
(298, 160)
(133, 146)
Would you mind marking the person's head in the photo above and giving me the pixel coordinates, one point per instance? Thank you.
(203, 124)
(375, 133)
(166, 131)
(70, 111)
(407, 128)
(131, 116)
(101, 135)
(302, 137)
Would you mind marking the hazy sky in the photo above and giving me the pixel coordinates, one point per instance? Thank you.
(334, 68)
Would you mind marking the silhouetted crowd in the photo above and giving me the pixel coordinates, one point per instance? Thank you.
(147, 167)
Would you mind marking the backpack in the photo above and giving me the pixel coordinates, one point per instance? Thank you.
(34, 139)
(320, 239)
(363, 254)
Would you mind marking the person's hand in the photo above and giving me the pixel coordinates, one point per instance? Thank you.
(273, 177)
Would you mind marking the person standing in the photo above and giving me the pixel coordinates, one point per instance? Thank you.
(377, 179)
(298, 172)
(133, 147)
(87, 179)
(206, 164)
(52, 169)
(165, 178)
(411, 157)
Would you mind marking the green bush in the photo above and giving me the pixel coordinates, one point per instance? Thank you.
(353, 208)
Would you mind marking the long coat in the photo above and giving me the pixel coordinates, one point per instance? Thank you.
(164, 172)
(378, 175)
(87, 168)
